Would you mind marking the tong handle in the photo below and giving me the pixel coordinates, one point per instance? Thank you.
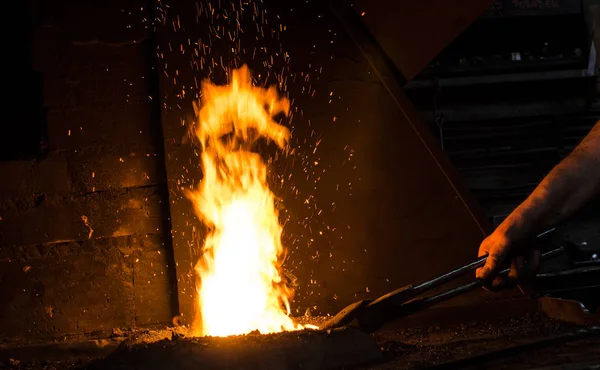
(399, 296)
(409, 292)
(477, 283)
(376, 315)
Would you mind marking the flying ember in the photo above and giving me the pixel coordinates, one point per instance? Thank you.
(241, 289)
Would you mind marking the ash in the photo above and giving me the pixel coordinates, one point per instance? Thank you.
(401, 348)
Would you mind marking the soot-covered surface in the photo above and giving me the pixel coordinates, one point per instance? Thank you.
(341, 348)
(176, 349)
(407, 348)
(424, 347)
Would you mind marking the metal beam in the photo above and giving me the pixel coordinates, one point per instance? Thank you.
(501, 78)
(510, 110)
(529, 8)
(412, 33)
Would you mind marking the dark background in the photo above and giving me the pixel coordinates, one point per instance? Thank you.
(511, 97)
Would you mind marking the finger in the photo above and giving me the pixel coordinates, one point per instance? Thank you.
(517, 269)
(499, 283)
(494, 285)
(521, 267)
(483, 249)
(534, 262)
(526, 283)
(492, 265)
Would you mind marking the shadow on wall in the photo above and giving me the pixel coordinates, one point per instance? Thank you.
(23, 126)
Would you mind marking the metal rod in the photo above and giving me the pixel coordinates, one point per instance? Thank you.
(580, 270)
(440, 280)
(478, 283)
(400, 296)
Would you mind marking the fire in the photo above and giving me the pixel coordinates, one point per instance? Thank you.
(241, 289)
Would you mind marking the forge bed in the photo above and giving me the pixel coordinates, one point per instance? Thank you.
(509, 343)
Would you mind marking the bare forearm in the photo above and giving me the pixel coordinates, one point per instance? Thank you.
(570, 185)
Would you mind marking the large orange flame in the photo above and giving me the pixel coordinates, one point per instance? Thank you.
(241, 289)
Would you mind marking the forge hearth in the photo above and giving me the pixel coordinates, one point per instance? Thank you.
(530, 339)
(343, 348)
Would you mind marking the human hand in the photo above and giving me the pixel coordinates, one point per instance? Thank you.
(502, 253)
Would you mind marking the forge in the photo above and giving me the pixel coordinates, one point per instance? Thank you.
(206, 184)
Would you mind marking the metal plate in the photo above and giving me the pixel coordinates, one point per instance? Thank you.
(412, 32)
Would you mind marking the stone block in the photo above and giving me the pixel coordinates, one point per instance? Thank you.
(127, 245)
(117, 213)
(93, 74)
(50, 176)
(98, 172)
(26, 180)
(82, 292)
(126, 128)
(105, 214)
(152, 284)
(80, 287)
(44, 224)
(16, 178)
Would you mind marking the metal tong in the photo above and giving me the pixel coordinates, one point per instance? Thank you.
(370, 315)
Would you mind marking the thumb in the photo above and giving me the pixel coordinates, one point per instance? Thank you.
(490, 268)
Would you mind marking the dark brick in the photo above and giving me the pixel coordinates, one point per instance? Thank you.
(26, 179)
(44, 224)
(21, 253)
(109, 213)
(152, 286)
(106, 21)
(127, 245)
(97, 74)
(50, 176)
(95, 172)
(126, 127)
(79, 287)
(16, 178)
(49, 297)
(116, 214)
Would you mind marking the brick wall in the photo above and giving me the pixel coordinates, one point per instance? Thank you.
(83, 213)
